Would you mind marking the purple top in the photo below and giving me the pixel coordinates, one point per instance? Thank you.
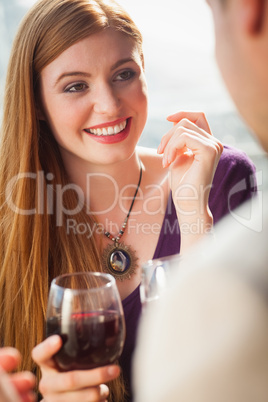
(234, 182)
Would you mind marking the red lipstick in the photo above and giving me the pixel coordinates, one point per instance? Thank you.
(112, 138)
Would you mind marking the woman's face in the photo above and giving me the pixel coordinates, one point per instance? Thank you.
(94, 98)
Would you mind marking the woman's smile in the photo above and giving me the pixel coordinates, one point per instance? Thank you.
(110, 128)
(110, 134)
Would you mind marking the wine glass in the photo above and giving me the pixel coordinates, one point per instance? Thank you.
(156, 277)
(86, 311)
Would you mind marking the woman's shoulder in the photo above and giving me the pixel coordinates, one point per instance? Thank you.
(235, 164)
(234, 182)
(149, 153)
(155, 176)
(235, 157)
(152, 161)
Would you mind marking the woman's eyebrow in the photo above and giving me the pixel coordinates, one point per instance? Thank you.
(83, 74)
(122, 61)
(71, 74)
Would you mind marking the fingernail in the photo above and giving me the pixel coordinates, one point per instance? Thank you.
(104, 390)
(159, 149)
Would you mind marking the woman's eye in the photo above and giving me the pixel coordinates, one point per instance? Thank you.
(125, 75)
(79, 87)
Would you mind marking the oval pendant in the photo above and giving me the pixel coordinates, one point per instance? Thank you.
(120, 261)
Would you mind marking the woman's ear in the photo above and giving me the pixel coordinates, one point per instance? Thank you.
(251, 14)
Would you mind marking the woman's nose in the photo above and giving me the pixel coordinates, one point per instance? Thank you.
(106, 100)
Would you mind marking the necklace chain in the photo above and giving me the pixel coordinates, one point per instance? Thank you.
(116, 239)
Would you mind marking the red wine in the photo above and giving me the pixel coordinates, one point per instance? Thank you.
(89, 339)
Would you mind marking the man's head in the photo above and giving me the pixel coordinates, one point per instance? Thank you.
(241, 30)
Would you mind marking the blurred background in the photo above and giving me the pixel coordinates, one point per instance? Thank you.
(180, 67)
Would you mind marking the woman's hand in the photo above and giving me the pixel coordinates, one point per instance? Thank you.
(14, 387)
(80, 385)
(192, 155)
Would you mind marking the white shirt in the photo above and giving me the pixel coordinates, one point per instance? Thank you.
(207, 339)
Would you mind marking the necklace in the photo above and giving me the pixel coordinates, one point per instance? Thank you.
(119, 259)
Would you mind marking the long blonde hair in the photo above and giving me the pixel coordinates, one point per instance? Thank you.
(34, 247)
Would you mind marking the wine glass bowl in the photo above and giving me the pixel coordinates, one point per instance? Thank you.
(86, 311)
(156, 277)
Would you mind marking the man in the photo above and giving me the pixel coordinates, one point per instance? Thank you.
(207, 340)
(15, 387)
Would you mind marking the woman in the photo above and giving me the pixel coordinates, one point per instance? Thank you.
(76, 191)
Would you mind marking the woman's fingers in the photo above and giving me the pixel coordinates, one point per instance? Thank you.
(84, 385)
(183, 124)
(93, 394)
(190, 142)
(42, 354)
(78, 380)
(198, 118)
